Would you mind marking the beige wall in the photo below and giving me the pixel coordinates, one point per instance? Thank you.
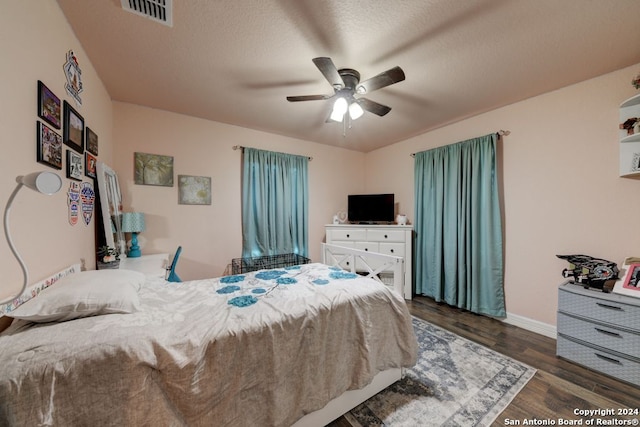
(562, 193)
(212, 235)
(34, 39)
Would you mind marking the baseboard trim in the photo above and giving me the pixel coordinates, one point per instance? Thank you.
(531, 325)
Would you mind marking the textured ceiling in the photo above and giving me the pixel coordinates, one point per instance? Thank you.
(236, 61)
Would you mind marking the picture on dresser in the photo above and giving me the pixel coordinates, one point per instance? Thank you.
(632, 278)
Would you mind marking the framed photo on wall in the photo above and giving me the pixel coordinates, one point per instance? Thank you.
(73, 128)
(48, 105)
(49, 146)
(91, 142)
(74, 165)
(89, 164)
(153, 169)
(194, 190)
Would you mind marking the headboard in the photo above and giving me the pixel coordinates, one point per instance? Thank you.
(33, 291)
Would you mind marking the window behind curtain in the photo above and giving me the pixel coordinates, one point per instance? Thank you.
(274, 203)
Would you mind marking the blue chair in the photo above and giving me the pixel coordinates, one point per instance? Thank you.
(171, 271)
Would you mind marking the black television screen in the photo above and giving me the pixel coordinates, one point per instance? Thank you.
(370, 208)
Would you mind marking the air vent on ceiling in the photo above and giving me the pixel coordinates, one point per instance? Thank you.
(156, 10)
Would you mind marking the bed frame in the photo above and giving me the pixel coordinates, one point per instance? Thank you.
(368, 264)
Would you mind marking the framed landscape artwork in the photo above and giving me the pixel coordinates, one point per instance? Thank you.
(49, 146)
(194, 190)
(73, 128)
(153, 169)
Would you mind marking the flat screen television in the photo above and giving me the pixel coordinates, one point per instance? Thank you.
(370, 208)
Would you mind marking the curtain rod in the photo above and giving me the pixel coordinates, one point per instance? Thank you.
(500, 134)
(241, 147)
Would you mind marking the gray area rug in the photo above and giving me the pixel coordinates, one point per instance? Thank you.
(455, 382)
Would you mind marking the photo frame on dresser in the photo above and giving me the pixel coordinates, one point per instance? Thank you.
(630, 284)
(73, 128)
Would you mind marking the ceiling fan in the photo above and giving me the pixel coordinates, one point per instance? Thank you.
(346, 85)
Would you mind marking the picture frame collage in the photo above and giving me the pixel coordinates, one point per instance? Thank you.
(82, 142)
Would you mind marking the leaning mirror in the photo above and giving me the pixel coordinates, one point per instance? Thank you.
(111, 207)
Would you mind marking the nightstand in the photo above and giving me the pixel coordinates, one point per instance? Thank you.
(154, 265)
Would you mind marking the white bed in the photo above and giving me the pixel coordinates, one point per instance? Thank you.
(300, 345)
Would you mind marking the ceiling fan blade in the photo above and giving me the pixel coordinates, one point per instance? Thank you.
(373, 107)
(384, 79)
(329, 71)
(307, 98)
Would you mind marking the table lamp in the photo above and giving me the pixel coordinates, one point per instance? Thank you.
(133, 222)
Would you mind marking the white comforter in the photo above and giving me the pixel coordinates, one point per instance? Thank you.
(254, 350)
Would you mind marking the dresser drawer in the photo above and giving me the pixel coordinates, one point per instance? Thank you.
(395, 249)
(604, 308)
(617, 340)
(599, 360)
(367, 246)
(347, 234)
(386, 235)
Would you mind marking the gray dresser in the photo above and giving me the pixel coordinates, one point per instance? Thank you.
(600, 331)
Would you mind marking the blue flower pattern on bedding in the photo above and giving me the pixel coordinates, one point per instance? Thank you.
(338, 275)
(232, 279)
(243, 301)
(228, 289)
(270, 274)
(247, 291)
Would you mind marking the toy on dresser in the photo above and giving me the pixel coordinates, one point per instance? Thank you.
(591, 272)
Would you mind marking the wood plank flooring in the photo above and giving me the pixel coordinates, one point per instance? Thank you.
(558, 388)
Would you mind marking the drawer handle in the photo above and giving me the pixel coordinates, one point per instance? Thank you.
(385, 236)
(608, 359)
(348, 236)
(366, 249)
(611, 307)
(391, 250)
(602, 331)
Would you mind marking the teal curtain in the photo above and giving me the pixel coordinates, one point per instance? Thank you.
(459, 255)
(274, 203)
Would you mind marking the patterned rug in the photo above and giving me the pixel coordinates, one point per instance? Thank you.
(455, 382)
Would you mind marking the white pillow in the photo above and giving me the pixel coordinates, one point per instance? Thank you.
(88, 293)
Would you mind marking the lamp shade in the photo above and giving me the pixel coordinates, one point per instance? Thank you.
(133, 222)
(43, 182)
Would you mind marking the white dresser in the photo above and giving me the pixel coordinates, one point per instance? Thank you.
(386, 239)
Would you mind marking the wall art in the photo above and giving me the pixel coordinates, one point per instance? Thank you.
(74, 165)
(87, 201)
(74, 77)
(90, 163)
(49, 146)
(48, 105)
(73, 128)
(91, 142)
(153, 169)
(194, 190)
(73, 200)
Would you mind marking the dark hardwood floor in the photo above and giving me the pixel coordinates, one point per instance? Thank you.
(558, 388)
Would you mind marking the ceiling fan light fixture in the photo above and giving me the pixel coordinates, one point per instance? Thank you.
(340, 107)
(355, 111)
